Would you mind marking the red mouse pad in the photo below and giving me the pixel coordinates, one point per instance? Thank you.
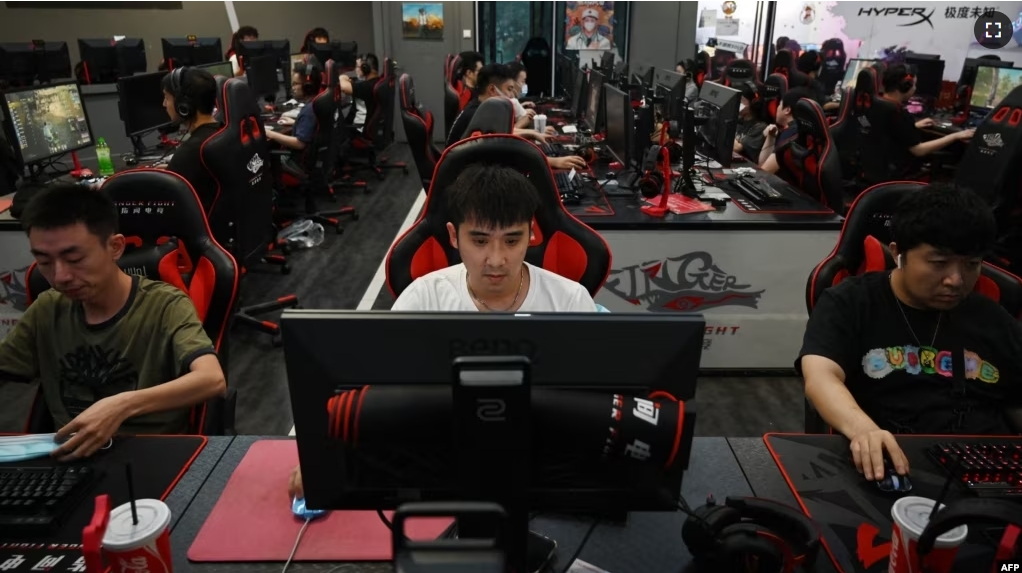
(252, 520)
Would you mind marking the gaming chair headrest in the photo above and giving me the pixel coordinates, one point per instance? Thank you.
(332, 75)
(774, 88)
(992, 162)
(453, 67)
(221, 81)
(741, 71)
(153, 203)
(536, 47)
(833, 53)
(495, 115)
(784, 63)
(239, 102)
(870, 215)
(811, 122)
(406, 86)
(867, 85)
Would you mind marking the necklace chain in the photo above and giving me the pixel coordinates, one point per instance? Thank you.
(521, 281)
(940, 315)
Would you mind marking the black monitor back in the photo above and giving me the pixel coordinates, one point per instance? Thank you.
(343, 54)
(594, 110)
(719, 131)
(261, 74)
(929, 75)
(140, 102)
(620, 139)
(192, 51)
(105, 59)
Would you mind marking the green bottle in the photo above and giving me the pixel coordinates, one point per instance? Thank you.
(106, 165)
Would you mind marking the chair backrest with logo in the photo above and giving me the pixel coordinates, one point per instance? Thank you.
(740, 71)
(774, 88)
(810, 161)
(834, 59)
(379, 127)
(418, 124)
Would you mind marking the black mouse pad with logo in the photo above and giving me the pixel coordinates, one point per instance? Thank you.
(853, 514)
(157, 463)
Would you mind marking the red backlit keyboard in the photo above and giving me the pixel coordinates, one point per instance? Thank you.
(986, 469)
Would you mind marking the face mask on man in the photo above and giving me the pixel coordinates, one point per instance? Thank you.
(741, 107)
(590, 26)
(525, 89)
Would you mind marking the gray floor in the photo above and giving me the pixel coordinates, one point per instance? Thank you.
(337, 274)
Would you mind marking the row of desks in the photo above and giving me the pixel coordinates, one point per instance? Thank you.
(649, 542)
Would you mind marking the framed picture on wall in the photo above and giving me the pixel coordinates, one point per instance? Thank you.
(422, 20)
(590, 27)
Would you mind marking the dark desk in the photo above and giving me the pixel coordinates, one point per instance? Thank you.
(650, 542)
(746, 271)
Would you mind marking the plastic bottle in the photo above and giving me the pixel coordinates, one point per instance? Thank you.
(302, 234)
(106, 165)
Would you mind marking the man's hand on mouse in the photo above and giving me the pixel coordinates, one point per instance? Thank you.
(294, 484)
(868, 449)
(570, 162)
(926, 122)
(93, 429)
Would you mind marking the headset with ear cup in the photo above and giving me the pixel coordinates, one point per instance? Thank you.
(749, 531)
(967, 512)
(652, 182)
(364, 67)
(183, 104)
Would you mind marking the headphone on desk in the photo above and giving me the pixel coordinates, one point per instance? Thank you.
(767, 535)
(184, 105)
(651, 183)
(967, 511)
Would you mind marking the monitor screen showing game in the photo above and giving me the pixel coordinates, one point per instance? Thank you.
(992, 84)
(47, 121)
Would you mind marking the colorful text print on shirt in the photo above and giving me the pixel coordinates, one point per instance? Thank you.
(880, 362)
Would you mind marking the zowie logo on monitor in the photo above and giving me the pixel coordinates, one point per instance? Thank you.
(681, 284)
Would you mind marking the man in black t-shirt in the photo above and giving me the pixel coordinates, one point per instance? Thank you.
(809, 64)
(889, 149)
(915, 350)
(362, 90)
(781, 132)
(749, 134)
(190, 102)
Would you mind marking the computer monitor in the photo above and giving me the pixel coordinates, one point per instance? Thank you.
(141, 103)
(671, 86)
(992, 84)
(607, 62)
(721, 104)
(620, 138)
(261, 73)
(192, 51)
(929, 74)
(279, 49)
(578, 91)
(594, 99)
(47, 121)
(852, 71)
(642, 75)
(21, 64)
(579, 414)
(343, 54)
(224, 69)
(105, 59)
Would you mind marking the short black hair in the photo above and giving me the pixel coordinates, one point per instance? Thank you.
(940, 215)
(791, 97)
(246, 31)
(494, 196)
(318, 33)
(372, 61)
(809, 62)
(782, 42)
(66, 204)
(312, 76)
(894, 76)
(493, 74)
(515, 68)
(198, 85)
(469, 60)
(682, 64)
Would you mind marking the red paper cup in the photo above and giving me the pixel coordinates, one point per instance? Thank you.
(134, 548)
(910, 515)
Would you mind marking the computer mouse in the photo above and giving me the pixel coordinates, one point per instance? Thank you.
(610, 175)
(892, 482)
(300, 511)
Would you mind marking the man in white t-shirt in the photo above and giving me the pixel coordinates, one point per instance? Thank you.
(491, 210)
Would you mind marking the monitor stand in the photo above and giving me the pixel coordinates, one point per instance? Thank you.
(492, 409)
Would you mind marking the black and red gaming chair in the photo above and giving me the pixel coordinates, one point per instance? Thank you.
(242, 212)
(774, 88)
(834, 59)
(162, 220)
(418, 123)
(783, 63)
(809, 161)
(740, 71)
(845, 134)
(862, 248)
(701, 68)
(378, 131)
(562, 244)
(452, 92)
(992, 167)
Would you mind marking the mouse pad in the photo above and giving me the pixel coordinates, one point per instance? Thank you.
(252, 520)
(157, 463)
(853, 514)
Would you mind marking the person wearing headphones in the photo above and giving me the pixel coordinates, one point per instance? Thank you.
(468, 73)
(306, 81)
(244, 34)
(809, 64)
(781, 131)
(189, 96)
(495, 81)
(916, 349)
(749, 133)
(362, 90)
(893, 153)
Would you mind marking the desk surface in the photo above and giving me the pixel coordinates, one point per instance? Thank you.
(649, 541)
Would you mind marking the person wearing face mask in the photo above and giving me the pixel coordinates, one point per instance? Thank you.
(915, 349)
(524, 111)
(749, 135)
(589, 38)
(495, 80)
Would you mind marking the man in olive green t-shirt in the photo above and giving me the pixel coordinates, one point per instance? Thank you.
(113, 352)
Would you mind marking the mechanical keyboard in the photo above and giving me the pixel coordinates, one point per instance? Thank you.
(36, 499)
(985, 469)
(571, 191)
(554, 150)
(757, 191)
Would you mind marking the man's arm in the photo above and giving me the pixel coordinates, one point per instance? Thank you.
(928, 147)
(346, 84)
(303, 132)
(19, 360)
(770, 165)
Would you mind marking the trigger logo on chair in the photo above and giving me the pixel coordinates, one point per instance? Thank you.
(993, 140)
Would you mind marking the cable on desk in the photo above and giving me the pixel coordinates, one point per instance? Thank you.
(294, 549)
(384, 519)
(581, 545)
